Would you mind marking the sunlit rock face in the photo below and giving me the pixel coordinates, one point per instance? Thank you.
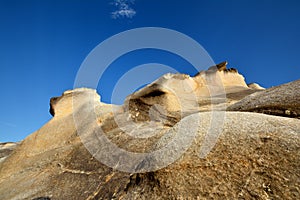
(89, 149)
(178, 95)
(255, 86)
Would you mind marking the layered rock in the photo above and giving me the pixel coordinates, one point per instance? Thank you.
(173, 139)
(178, 95)
(258, 157)
(283, 100)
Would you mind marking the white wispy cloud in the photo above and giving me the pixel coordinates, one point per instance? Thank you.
(123, 9)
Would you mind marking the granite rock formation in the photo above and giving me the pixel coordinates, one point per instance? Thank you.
(179, 95)
(283, 100)
(253, 156)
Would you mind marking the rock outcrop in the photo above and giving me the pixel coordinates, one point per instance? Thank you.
(178, 95)
(283, 100)
(154, 147)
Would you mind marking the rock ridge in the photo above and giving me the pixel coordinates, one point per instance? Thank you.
(254, 156)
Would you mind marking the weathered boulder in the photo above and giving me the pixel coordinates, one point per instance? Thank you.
(255, 156)
(283, 100)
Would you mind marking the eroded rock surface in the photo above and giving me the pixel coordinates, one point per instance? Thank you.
(258, 157)
(153, 147)
(255, 86)
(6, 149)
(179, 95)
(283, 100)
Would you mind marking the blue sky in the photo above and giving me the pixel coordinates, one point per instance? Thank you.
(43, 43)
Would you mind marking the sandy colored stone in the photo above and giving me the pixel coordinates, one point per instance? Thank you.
(255, 86)
(178, 95)
(211, 153)
(283, 100)
(6, 149)
(258, 157)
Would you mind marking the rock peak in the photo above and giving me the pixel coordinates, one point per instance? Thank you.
(222, 66)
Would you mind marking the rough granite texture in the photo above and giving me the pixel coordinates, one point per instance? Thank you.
(256, 157)
(253, 156)
(283, 100)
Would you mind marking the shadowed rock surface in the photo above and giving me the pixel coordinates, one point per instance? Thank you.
(175, 96)
(253, 156)
(283, 100)
(6, 149)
